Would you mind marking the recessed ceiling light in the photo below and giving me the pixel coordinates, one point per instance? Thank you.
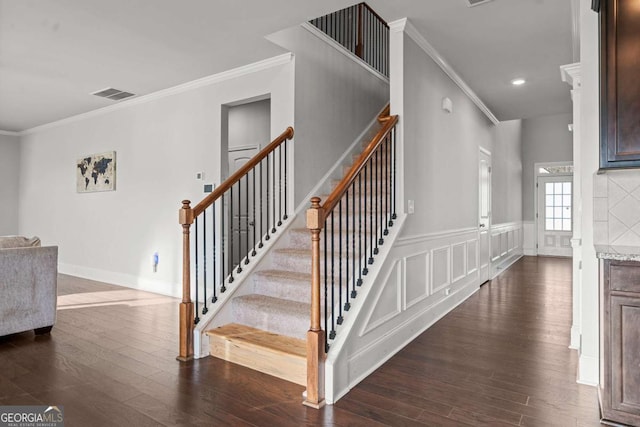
(518, 82)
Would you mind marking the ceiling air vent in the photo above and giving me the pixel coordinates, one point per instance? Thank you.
(114, 94)
(477, 2)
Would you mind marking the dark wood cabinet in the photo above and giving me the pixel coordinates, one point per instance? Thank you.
(620, 342)
(620, 85)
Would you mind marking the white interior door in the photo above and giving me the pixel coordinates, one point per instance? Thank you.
(555, 215)
(484, 216)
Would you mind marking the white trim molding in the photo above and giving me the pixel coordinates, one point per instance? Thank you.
(9, 133)
(195, 84)
(571, 74)
(404, 25)
(588, 370)
(506, 246)
(421, 280)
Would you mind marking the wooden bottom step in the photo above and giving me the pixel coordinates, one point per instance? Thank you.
(273, 354)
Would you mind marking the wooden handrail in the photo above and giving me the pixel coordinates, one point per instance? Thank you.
(229, 182)
(332, 200)
(316, 216)
(187, 216)
(373, 12)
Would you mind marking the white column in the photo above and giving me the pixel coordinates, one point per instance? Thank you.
(571, 75)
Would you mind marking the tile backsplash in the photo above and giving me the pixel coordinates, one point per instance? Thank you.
(616, 208)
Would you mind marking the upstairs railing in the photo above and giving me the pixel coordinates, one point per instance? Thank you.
(230, 225)
(360, 30)
(347, 231)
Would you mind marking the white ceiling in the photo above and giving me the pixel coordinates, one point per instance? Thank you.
(54, 53)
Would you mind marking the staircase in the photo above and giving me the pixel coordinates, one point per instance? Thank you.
(270, 324)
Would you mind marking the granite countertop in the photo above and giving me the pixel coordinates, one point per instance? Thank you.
(618, 253)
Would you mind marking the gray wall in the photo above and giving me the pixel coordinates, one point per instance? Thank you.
(544, 139)
(249, 124)
(9, 184)
(336, 99)
(506, 180)
(161, 143)
(441, 152)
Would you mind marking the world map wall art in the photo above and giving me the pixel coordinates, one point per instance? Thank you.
(96, 172)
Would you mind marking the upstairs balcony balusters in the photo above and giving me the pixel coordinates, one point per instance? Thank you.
(361, 31)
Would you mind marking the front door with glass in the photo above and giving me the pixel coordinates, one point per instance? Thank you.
(555, 215)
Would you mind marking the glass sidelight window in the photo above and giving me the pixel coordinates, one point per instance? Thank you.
(558, 206)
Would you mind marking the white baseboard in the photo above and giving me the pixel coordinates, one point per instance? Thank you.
(506, 264)
(122, 279)
(575, 337)
(588, 370)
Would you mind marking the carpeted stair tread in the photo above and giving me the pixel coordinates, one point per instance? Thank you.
(278, 315)
(283, 284)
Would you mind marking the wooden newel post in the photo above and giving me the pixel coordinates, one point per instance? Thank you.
(315, 335)
(186, 306)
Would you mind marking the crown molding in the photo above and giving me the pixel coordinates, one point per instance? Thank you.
(405, 25)
(571, 74)
(9, 133)
(575, 29)
(185, 87)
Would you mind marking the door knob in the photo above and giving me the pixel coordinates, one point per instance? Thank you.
(481, 225)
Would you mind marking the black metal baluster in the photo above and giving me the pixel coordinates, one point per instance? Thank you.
(197, 318)
(376, 191)
(246, 219)
(347, 305)
(204, 261)
(239, 270)
(353, 241)
(367, 211)
(326, 295)
(231, 265)
(380, 188)
(340, 318)
(286, 182)
(214, 298)
(332, 334)
(260, 245)
(268, 196)
(280, 185)
(371, 228)
(374, 59)
(223, 233)
(393, 140)
(273, 192)
(360, 236)
(253, 203)
(387, 183)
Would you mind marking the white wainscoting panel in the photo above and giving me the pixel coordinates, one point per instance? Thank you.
(417, 289)
(458, 261)
(441, 277)
(472, 256)
(388, 301)
(495, 246)
(508, 250)
(421, 279)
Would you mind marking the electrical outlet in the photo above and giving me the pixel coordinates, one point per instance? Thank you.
(411, 207)
(447, 291)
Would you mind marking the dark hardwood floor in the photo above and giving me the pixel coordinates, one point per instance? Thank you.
(499, 359)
